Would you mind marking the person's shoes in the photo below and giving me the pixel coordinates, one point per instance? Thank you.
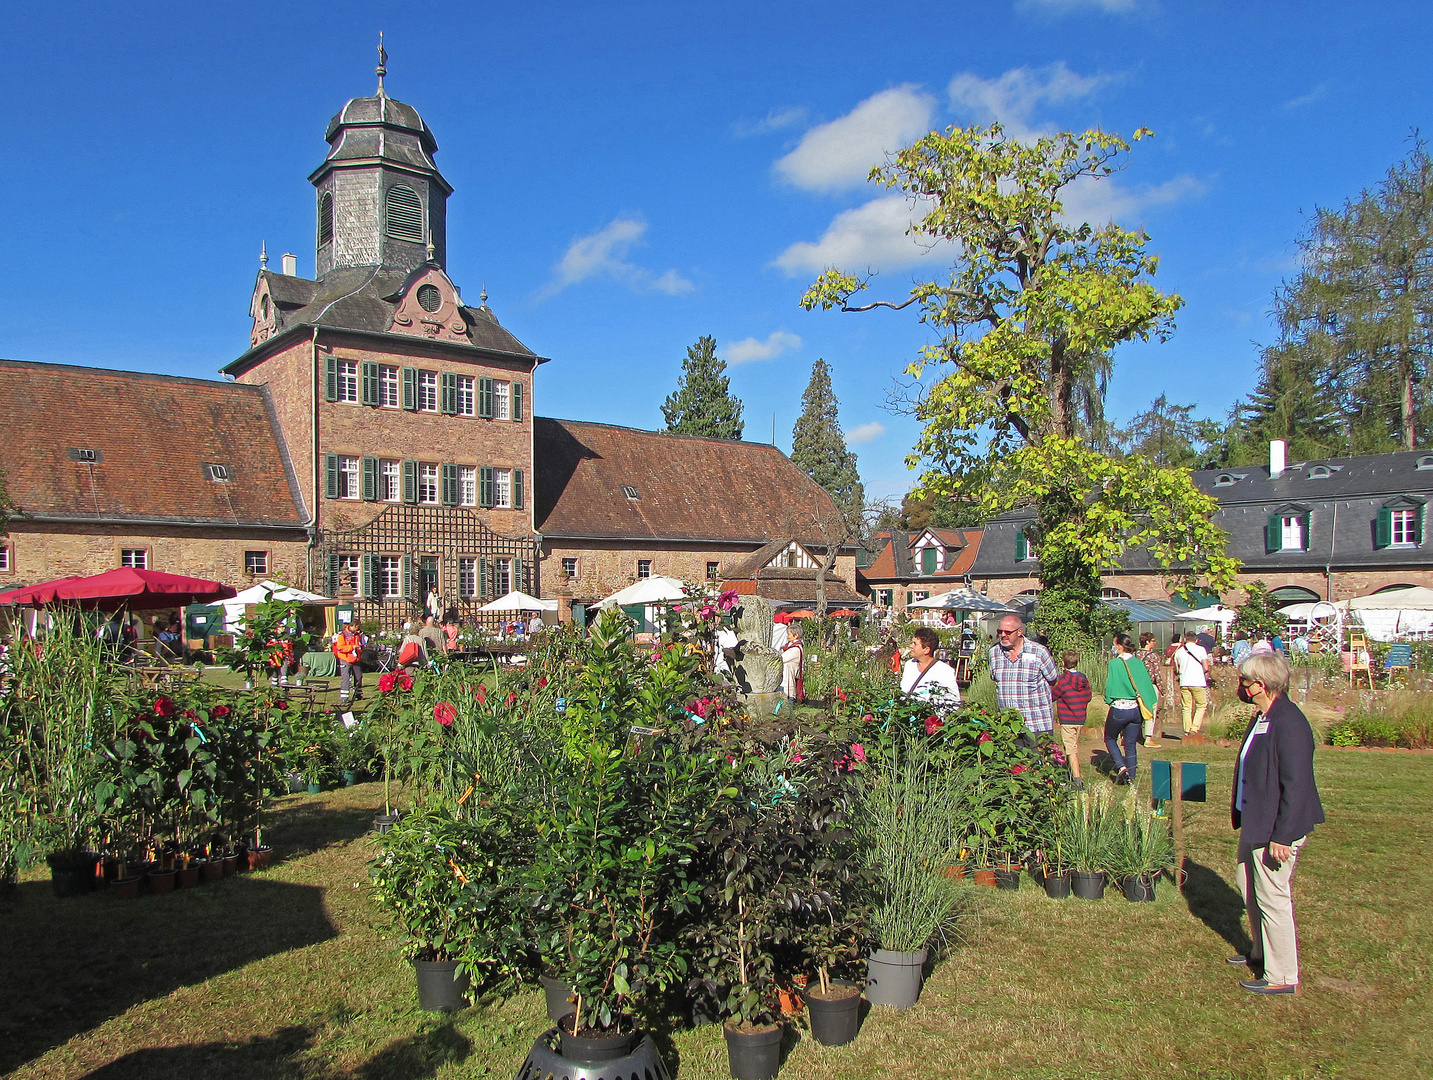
(1122, 777)
(1077, 784)
(1153, 745)
(1263, 986)
(1240, 959)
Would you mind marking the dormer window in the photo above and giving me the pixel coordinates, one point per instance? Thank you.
(629, 491)
(1399, 524)
(1323, 472)
(404, 214)
(218, 473)
(1227, 479)
(89, 457)
(1424, 463)
(1287, 530)
(1024, 548)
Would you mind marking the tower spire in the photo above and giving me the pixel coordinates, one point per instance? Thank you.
(382, 68)
(263, 255)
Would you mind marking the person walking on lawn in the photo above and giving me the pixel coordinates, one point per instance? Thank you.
(1275, 807)
(1127, 688)
(1072, 693)
(1023, 671)
(1192, 663)
(348, 649)
(1149, 656)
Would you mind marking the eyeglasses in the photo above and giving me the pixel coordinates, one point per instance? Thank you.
(1002, 633)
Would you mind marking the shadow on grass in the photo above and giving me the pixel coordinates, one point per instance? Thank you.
(70, 965)
(1215, 903)
(302, 828)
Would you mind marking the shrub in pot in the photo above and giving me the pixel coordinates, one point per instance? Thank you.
(1086, 823)
(1140, 848)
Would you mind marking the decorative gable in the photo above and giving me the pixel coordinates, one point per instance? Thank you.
(264, 312)
(428, 307)
(793, 556)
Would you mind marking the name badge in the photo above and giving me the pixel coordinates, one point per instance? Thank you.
(1261, 728)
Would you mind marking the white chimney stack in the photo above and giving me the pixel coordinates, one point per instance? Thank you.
(291, 269)
(1276, 447)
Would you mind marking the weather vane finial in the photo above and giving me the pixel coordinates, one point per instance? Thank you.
(382, 63)
(263, 255)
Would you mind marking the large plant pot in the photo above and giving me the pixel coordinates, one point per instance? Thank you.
(836, 1018)
(350, 777)
(315, 787)
(126, 888)
(1057, 886)
(189, 876)
(1007, 878)
(985, 877)
(162, 881)
(212, 869)
(894, 978)
(71, 874)
(384, 823)
(229, 865)
(260, 857)
(440, 987)
(593, 1048)
(1139, 888)
(753, 1055)
(1087, 886)
(558, 997)
(545, 1061)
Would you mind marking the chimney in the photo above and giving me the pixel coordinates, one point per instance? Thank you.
(1276, 447)
(291, 264)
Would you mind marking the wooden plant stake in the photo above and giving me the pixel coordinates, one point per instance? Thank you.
(1176, 791)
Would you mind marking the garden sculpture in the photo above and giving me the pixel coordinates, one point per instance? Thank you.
(758, 665)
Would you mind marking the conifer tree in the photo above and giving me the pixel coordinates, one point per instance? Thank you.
(819, 449)
(703, 404)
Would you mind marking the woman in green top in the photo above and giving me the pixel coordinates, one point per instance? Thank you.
(1127, 685)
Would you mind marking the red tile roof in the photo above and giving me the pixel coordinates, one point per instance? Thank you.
(153, 435)
(890, 565)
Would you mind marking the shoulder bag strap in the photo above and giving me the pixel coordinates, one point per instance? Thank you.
(1132, 686)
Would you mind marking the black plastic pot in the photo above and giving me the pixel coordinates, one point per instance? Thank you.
(67, 877)
(834, 1021)
(588, 1049)
(1057, 886)
(1139, 888)
(544, 1062)
(1088, 886)
(754, 1055)
(384, 822)
(894, 978)
(558, 995)
(440, 987)
(1007, 877)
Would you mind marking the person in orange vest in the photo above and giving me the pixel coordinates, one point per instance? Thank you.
(348, 648)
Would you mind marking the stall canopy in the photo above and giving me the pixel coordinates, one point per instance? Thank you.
(962, 600)
(1415, 599)
(519, 601)
(1387, 616)
(138, 590)
(652, 590)
(262, 593)
(1213, 613)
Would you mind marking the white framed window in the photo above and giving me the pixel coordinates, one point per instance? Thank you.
(502, 490)
(1293, 532)
(134, 558)
(427, 483)
(644, 568)
(389, 395)
(350, 483)
(390, 481)
(502, 401)
(464, 390)
(713, 570)
(467, 576)
(502, 577)
(390, 575)
(346, 381)
(467, 488)
(569, 565)
(1405, 527)
(256, 563)
(427, 391)
(886, 597)
(348, 571)
(4, 558)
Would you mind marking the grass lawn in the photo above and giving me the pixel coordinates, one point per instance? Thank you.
(284, 973)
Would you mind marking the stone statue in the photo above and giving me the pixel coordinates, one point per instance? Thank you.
(757, 665)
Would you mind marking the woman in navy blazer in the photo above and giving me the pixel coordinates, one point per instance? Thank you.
(1275, 806)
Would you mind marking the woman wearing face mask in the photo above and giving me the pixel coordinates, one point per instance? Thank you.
(1275, 807)
(1127, 688)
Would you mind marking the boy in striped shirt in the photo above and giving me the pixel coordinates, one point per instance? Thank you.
(1072, 694)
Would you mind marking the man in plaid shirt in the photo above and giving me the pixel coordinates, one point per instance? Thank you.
(1023, 671)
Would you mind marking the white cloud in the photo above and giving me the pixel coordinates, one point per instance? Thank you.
(838, 155)
(1013, 97)
(775, 120)
(749, 349)
(1100, 200)
(603, 254)
(1307, 99)
(871, 235)
(865, 433)
(1112, 7)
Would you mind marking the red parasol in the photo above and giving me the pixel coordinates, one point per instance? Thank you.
(804, 613)
(140, 590)
(781, 616)
(842, 613)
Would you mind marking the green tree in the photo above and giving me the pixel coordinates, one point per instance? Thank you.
(1170, 434)
(1288, 403)
(819, 449)
(1025, 325)
(703, 404)
(1258, 615)
(919, 511)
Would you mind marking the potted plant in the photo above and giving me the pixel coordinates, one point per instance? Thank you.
(1084, 821)
(1140, 849)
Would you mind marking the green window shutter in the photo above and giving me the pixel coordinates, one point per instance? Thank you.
(485, 397)
(405, 578)
(482, 579)
(1274, 534)
(485, 486)
(410, 389)
(370, 383)
(1305, 523)
(516, 400)
(410, 481)
(370, 479)
(517, 582)
(333, 575)
(331, 384)
(928, 560)
(517, 489)
(330, 475)
(369, 584)
(449, 399)
(1022, 547)
(1383, 530)
(450, 485)
(1418, 512)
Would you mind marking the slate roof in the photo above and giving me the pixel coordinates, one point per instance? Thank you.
(895, 562)
(153, 435)
(688, 488)
(799, 587)
(358, 134)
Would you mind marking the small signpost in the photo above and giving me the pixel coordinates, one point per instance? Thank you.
(1400, 658)
(1177, 782)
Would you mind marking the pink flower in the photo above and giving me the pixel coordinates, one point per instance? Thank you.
(727, 600)
(444, 713)
(512, 696)
(868, 719)
(984, 737)
(796, 759)
(858, 751)
(481, 693)
(933, 724)
(843, 764)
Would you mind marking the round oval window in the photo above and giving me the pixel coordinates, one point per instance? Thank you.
(429, 297)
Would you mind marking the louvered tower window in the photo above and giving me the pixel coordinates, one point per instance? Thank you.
(405, 214)
(325, 218)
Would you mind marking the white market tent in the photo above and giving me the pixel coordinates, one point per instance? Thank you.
(1213, 613)
(1388, 616)
(1415, 599)
(962, 600)
(652, 590)
(519, 601)
(261, 593)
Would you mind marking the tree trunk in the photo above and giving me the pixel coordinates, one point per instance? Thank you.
(1407, 411)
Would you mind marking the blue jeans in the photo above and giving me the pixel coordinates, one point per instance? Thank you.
(1123, 724)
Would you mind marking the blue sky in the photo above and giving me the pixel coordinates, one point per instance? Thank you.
(631, 176)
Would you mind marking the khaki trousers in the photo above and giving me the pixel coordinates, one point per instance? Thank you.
(1195, 700)
(1269, 898)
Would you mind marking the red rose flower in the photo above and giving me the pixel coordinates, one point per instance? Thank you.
(1017, 770)
(933, 724)
(444, 713)
(164, 707)
(219, 712)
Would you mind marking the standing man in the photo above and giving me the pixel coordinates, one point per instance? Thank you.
(1192, 663)
(1275, 807)
(348, 650)
(1023, 671)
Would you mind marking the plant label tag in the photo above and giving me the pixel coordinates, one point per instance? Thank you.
(349, 721)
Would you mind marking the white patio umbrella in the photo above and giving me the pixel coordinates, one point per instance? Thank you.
(519, 601)
(962, 600)
(652, 590)
(261, 593)
(1213, 613)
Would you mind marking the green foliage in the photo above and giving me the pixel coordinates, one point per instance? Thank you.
(1170, 436)
(1401, 718)
(703, 404)
(1258, 615)
(818, 447)
(272, 632)
(1140, 844)
(1073, 617)
(919, 510)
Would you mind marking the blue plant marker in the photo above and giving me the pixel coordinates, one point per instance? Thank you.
(560, 705)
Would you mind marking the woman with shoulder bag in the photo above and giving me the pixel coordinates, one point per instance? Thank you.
(1130, 694)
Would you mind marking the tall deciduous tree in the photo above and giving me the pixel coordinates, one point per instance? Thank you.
(703, 404)
(1031, 310)
(819, 448)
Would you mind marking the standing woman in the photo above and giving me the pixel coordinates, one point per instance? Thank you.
(1127, 687)
(791, 657)
(1275, 807)
(1149, 656)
